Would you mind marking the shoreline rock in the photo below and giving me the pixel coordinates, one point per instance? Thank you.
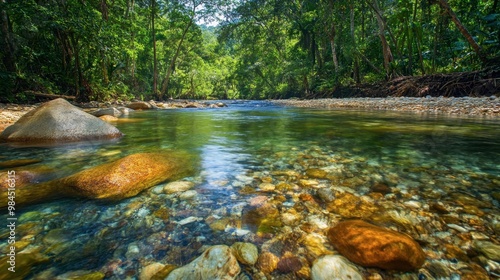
(58, 121)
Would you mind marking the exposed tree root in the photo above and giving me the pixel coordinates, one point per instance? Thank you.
(474, 84)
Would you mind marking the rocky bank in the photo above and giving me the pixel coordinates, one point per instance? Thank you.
(463, 106)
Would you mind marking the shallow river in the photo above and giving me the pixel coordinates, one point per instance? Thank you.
(434, 178)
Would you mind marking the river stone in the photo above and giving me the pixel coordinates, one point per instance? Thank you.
(125, 177)
(217, 262)
(178, 186)
(267, 262)
(149, 271)
(334, 267)
(140, 105)
(245, 253)
(18, 162)
(351, 206)
(107, 118)
(24, 265)
(489, 249)
(316, 173)
(372, 246)
(267, 187)
(58, 121)
(81, 275)
(107, 112)
(26, 184)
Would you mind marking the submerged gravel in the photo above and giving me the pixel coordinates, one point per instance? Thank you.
(483, 106)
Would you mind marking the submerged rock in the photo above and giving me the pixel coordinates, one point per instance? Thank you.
(23, 264)
(372, 246)
(489, 249)
(58, 121)
(316, 173)
(18, 162)
(178, 186)
(289, 263)
(125, 177)
(334, 267)
(245, 253)
(267, 262)
(351, 206)
(217, 262)
(26, 181)
(81, 275)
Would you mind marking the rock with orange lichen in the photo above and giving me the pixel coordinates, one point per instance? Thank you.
(116, 180)
(373, 246)
(126, 177)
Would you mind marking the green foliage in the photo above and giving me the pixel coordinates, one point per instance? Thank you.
(103, 50)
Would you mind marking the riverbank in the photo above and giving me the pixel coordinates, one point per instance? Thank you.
(469, 106)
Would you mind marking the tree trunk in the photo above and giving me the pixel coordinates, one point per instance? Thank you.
(386, 50)
(78, 74)
(170, 69)
(331, 37)
(155, 61)
(446, 7)
(356, 74)
(7, 45)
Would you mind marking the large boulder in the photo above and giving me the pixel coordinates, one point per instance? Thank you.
(58, 121)
(127, 176)
(373, 246)
(217, 262)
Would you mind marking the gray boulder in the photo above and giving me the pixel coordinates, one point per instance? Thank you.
(140, 105)
(107, 112)
(58, 121)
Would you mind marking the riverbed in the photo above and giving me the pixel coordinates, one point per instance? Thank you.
(433, 177)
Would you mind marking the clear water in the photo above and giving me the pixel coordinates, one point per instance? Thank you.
(238, 147)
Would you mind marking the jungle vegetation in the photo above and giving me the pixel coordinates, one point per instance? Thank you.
(222, 49)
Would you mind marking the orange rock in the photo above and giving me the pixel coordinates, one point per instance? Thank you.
(267, 262)
(372, 246)
(126, 177)
(108, 118)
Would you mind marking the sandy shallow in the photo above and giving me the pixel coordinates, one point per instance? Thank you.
(484, 106)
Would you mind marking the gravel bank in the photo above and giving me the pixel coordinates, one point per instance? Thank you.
(484, 106)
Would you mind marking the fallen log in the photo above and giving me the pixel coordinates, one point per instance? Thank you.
(49, 96)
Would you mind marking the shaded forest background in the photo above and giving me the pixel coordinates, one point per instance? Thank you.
(158, 49)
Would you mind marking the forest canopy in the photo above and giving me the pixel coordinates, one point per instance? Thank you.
(252, 49)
